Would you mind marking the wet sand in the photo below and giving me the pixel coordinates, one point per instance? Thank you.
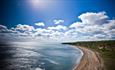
(91, 60)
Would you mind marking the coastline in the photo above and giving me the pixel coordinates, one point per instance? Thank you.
(90, 60)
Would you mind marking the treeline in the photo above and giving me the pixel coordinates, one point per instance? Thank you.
(102, 45)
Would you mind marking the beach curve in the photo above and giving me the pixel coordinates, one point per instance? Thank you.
(91, 60)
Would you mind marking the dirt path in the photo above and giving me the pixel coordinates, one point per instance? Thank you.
(90, 61)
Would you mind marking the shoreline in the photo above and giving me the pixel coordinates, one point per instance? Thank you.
(90, 60)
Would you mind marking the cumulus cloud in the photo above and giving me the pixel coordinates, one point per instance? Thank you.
(58, 27)
(93, 18)
(93, 26)
(21, 27)
(58, 21)
(110, 25)
(4, 29)
(76, 25)
(40, 24)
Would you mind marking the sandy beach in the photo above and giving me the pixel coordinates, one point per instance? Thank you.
(91, 60)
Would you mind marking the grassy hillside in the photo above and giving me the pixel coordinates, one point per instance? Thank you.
(105, 48)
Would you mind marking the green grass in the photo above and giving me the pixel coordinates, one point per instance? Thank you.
(107, 52)
(109, 59)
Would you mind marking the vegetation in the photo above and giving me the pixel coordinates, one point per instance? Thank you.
(105, 48)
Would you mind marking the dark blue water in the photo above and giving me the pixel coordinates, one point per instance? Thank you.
(38, 56)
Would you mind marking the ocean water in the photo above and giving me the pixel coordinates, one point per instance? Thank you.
(38, 56)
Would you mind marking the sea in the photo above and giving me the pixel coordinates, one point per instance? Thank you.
(17, 55)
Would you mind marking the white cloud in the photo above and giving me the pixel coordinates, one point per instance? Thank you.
(58, 27)
(93, 26)
(110, 25)
(21, 27)
(76, 25)
(40, 24)
(58, 21)
(4, 29)
(93, 18)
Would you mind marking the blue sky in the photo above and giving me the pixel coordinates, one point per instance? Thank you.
(64, 19)
(22, 12)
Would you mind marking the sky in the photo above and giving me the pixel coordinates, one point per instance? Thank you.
(65, 19)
